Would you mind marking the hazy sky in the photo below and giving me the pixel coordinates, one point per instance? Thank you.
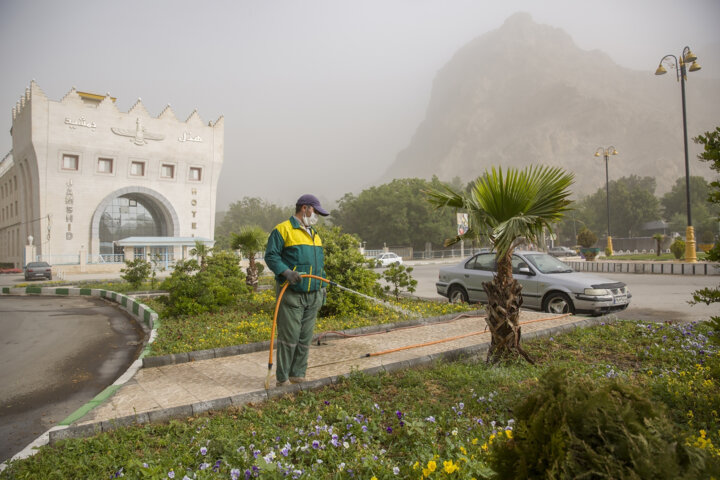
(318, 96)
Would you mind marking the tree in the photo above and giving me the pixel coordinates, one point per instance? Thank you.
(632, 204)
(201, 251)
(250, 211)
(250, 241)
(398, 277)
(136, 271)
(704, 213)
(346, 266)
(508, 209)
(395, 213)
(711, 142)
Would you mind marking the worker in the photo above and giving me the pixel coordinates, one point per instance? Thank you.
(294, 248)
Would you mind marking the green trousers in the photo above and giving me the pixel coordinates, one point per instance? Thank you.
(295, 326)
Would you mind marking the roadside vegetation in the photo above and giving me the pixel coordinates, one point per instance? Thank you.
(623, 399)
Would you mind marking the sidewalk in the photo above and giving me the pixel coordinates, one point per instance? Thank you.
(181, 390)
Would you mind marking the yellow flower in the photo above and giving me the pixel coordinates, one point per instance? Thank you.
(484, 447)
(426, 472)
(474, 441)
(416, 465)
(432, 465)
(374, 478)
(449, 466)
(508, 433)
(462, 449)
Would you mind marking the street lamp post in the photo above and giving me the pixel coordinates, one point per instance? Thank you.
(679, 65)
(606, 152)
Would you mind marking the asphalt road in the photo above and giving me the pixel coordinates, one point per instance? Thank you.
(655, 298)
(57, 353)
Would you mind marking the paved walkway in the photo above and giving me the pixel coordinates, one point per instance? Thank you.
(180, 390)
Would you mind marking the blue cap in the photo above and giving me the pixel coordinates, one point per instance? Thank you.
(313, 201)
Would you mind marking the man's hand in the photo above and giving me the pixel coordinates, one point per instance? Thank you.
(292, 276)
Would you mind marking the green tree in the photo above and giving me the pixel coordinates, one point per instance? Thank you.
(250, 211)
(711, 153)
(201, 251)
(632, 203)
(250, 241)
(508, 208)
(704, 213)
(346, 266)
(136, 271)
(399, 278)
(395, 213)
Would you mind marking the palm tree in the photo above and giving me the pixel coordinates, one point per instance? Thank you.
(201, 251)
(250, 241)
(509, 209)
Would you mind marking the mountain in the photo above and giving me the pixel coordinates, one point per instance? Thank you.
(526, 94)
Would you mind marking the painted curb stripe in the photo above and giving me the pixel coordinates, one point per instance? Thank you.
(82, 411)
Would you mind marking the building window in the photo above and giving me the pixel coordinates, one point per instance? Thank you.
(195, 174)
(105, 165)
(137, 169)
(167, 171)
(70, 162)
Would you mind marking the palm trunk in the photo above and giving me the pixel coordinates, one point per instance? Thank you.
(252, 276)
(503, 313)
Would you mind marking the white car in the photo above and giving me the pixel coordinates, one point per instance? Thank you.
(386, 259)
(548, 284)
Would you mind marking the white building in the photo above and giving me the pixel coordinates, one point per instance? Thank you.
(90, 183)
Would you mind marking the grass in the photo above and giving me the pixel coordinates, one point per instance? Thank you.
(251, 321)
(437, 422)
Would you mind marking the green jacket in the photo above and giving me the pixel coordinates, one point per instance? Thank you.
(291, 246)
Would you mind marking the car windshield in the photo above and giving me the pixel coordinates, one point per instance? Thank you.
(547, 263)
(38, 264)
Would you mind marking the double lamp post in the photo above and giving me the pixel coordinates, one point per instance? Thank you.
(680, 71)
(606, 152)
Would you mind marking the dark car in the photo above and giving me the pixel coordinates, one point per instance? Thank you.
(38, 270)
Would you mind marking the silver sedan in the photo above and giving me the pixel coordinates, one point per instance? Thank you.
(548, 284)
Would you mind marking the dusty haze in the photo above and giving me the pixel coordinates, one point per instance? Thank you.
(318, 96)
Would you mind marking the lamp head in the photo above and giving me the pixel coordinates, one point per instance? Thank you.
(660, 70)
(597, 154)
(695, 67)
(614, 152)
(689, 56)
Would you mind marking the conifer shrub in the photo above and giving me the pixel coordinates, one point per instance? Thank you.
(136, 272)
(572, 428)
(678, 248)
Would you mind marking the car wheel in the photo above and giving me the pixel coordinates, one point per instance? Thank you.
(558, 302)
(50, 277)
(457, 294)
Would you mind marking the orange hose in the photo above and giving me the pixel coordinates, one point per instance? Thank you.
(418, 345)
(277, 308)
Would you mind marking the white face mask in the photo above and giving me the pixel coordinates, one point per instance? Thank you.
(311, 220)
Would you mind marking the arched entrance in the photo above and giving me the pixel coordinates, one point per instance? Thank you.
(131, 212)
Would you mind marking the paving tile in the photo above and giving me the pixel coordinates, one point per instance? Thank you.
(203, 382)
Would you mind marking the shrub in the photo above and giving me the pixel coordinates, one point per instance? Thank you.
(136, 272)
(586, 238)
(578, 429)
(398, 278)
(678, 248)
(346, 266)
(193, 290)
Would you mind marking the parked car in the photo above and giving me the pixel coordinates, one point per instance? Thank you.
(386, 259)
(562, 252)
(38, 270)
(548, 284)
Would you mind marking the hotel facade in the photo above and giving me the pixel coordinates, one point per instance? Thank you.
(87, 185)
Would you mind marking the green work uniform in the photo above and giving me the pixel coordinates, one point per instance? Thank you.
(290, 246)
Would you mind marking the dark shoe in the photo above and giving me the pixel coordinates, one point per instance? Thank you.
(297, 379)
